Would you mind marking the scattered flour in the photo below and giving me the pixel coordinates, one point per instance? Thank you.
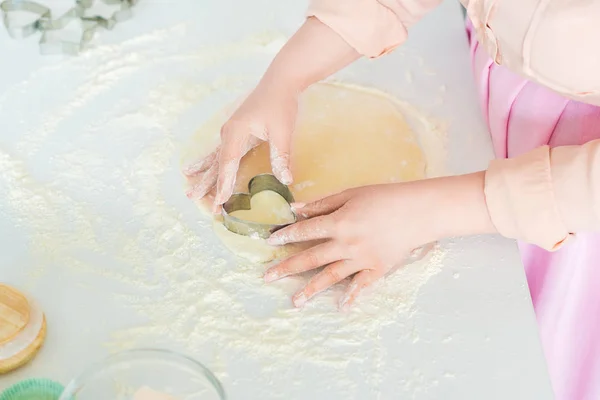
(95, 186)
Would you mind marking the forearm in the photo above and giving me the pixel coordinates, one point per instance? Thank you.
(311, 55)
(462, 205)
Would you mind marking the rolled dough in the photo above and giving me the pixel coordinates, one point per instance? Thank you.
(345, 137)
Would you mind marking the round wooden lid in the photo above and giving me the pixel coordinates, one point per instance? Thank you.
(27, 354)
(14, 313)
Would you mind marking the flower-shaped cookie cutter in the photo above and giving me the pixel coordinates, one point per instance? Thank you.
(122, 14)
(242, 201)
(49, 45)
(45, 23)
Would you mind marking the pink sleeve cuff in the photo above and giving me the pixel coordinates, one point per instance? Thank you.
(368, 26)
(520, 197)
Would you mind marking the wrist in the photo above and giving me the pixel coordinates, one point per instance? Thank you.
(462, 206)
(281, 83)
(315, 52)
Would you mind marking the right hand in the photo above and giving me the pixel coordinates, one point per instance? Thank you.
(268, 114)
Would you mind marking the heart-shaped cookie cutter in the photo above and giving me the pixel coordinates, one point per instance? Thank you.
(19, 31)
(242, 201)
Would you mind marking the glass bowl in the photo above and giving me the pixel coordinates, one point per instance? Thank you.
(145, 374)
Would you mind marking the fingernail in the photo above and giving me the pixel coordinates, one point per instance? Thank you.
(299, 300)
(286, 177)
(189, 169)
(271, 276)
(343, 304)
(345, 307)
(275, 241)
(297, 206)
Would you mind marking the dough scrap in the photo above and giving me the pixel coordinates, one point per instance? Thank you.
(345, 137)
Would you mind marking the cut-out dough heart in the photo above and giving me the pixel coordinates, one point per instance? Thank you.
(267, 207)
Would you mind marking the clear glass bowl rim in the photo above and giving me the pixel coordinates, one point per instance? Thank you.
(97, 367)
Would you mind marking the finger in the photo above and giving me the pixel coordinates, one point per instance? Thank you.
(208, 200)
(314, 257)
(316, 228)
(210, 196)
(234, 146)
(201, 165)
(329, 276)
(279, 148)
(206, 184)
(324, 206)
(361, 281)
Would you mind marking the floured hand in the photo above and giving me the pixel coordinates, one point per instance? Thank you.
(371, 230)
(268, 114)
(313, 53)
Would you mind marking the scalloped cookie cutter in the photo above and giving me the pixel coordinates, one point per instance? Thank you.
(123, 14)
(242, 201)
(48, 45)
(46, 24)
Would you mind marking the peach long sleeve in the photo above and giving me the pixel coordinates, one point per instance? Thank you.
(552, 42)
(546, 195)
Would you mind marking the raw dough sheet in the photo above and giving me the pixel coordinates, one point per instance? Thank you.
(345, 137)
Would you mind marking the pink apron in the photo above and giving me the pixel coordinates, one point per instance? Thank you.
(564, 285)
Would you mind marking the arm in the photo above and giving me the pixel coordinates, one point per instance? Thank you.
(336, 33)
(316, 51)
(547, 195)
(269, 112)
(312, 54)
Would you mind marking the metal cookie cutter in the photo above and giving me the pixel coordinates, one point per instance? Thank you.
(49, 45)
(46, 25)
(124, 13)
(242, 201)
(52, 46)
(18, 31)
(64, 20)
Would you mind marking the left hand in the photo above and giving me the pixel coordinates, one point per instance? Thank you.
(372, 229)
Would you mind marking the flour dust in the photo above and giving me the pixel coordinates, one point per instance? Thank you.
(90, 176)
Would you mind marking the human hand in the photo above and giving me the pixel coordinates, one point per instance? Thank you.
(268, 114)
(370, 230)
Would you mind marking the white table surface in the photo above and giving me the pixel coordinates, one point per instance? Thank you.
(79, 136)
